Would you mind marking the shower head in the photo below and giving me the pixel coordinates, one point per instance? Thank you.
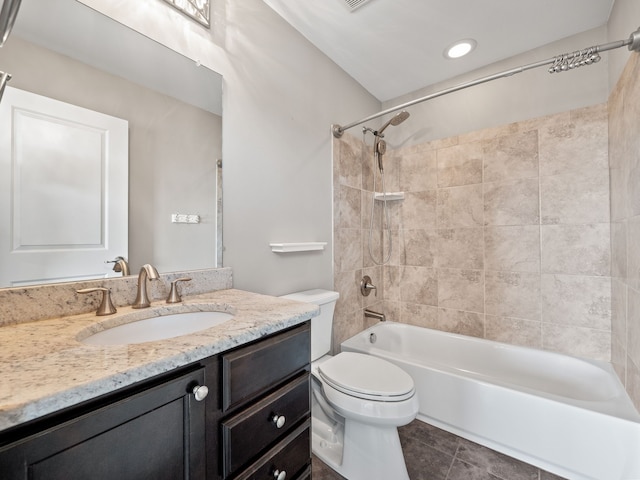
(380, 146)
(397, 119)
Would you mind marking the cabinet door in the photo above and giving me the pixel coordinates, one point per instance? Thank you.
(156, 434)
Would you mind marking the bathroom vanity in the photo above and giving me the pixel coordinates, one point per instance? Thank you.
(240, 411)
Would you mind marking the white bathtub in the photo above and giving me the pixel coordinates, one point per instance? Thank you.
(566, 415)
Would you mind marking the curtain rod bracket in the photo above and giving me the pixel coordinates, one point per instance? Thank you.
(337, 130)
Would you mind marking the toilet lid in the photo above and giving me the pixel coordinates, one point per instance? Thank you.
(366, 376)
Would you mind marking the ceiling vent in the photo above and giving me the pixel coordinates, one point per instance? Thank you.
(353, 5)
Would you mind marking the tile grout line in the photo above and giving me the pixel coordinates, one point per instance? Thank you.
(453, 461)
(540, 315)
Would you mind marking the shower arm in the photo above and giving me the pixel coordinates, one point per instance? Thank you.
(633, 42)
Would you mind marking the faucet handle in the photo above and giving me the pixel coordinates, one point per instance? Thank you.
(106, 305)
(366, 286)
(121, 265)
(174, 296)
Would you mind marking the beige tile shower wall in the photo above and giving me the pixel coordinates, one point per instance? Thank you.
(624, 152)
(348, 210)
(503, 234)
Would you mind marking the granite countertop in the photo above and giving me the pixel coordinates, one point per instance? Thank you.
(45, 368)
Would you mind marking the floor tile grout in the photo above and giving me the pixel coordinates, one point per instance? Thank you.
(453, 461)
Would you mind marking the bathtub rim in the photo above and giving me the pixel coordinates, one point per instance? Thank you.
(619, 406)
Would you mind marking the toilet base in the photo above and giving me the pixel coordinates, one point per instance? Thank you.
(372, 452)
(367, 452)
(327, 438)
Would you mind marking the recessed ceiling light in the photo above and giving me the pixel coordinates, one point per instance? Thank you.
(460, 48)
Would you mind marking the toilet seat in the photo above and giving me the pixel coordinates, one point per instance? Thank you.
(367, 377)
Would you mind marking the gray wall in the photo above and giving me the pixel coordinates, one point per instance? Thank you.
(531, 94)
(280, 97)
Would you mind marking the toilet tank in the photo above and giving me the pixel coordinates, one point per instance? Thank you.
(320, 325)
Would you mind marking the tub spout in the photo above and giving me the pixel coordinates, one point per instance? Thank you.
(376, 315)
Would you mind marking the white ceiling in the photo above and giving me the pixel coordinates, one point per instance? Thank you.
(393, 47)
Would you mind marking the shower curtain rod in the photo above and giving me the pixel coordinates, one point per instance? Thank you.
(559, 63)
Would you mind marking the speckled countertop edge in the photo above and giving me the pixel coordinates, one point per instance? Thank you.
(44, 368)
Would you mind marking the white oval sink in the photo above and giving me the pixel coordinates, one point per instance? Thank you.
(158, 328)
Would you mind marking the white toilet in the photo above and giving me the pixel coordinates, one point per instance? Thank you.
(358, 403)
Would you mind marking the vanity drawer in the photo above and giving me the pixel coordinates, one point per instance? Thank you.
(291, 456)
(306, 475)
(250, 371)
(247, 433)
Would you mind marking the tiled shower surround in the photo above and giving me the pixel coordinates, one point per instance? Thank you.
(503, 233)
(526, 234)
(624, 155)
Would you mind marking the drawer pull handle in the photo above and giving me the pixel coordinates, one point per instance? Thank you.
(200, 392)
(278, 421)
(279, 475)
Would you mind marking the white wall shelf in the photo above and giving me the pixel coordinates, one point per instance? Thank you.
(389, 196)
(297, 247)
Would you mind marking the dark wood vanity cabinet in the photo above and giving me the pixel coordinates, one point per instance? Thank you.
(265, 416)
(156, 433)
(253, 424)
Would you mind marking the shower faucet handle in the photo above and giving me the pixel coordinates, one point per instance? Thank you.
(366, 286)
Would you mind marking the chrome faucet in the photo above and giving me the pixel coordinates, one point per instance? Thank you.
(142, 299)
(376, 315)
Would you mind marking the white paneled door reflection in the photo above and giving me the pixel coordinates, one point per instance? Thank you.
(63, 190)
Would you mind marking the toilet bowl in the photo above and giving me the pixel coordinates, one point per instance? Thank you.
(358, 403)
(373, 398)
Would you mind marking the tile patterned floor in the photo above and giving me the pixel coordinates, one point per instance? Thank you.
(433, 454)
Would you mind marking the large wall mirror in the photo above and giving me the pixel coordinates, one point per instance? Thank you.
(66, 51)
